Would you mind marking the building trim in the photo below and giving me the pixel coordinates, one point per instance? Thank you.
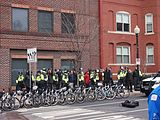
(117, 32)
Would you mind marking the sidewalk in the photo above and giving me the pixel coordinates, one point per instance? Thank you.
(12, 115)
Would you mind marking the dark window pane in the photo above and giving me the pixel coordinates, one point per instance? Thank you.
(68, 23)
(45, 64)
(18, 65)
(150, 59)
(119, 59)
(126, 59)
(119, 26)
(19, 19)
(126, 27)
(149, 28)
(67, 64)
(45, 22)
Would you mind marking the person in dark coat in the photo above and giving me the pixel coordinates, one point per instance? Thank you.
(27, 81)
(129, 79)
(108, 76)
(50, 80)
(72, 79)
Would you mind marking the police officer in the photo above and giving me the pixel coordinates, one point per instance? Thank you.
(55, 79)
(81, 77)
(19, 81)
(96, 78)
(38, 80)
(44, 79)
(121, 75)
(65, 79)
(154, 104)
(137, 74)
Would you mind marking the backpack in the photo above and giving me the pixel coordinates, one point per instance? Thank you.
(130, 104)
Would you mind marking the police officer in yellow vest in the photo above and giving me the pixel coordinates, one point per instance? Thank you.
(121, 75)
(96, 79)
(19, 81)
(65, 79)
(44, 79)
(38, 79)
(55, 80)
(92, 77)
(81, 77)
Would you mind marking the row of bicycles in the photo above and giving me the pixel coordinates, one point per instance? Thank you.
(62, 96)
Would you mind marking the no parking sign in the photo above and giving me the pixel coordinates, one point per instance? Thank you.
(32, 55)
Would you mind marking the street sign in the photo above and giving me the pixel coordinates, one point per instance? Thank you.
(137, 61)
(32, 55)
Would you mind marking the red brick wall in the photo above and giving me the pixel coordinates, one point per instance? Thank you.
(137, 9)
(56, 44)
(4, 68)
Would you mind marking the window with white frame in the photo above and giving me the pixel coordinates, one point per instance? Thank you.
(149, 23)
(150, 54)
(123, 54)
(123, 22)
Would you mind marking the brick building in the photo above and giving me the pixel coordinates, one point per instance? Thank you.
(118, 19)
(63, 31)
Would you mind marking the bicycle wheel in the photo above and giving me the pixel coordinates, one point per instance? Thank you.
(28, 102)
(80, 97)
(70, 98)
(54, 100)
(124, 93)
(7, 104)
(92, 95)
(110, 94)
(16, 103)
(100, 95)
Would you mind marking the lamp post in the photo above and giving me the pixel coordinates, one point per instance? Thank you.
(137, 31)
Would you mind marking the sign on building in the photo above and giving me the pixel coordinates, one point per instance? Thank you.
(32, 55)
(137, 61)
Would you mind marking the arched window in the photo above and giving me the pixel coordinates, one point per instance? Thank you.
(149, 23)
(123, 21)
(149, 54)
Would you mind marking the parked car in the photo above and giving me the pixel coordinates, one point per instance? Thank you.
(149, 84)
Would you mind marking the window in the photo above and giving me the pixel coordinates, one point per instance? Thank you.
(150, 54)
(19, 19)
(123, 54)
(45, 22)
(123, 22)
(44, 63)
(18, 65)
(68, 23)
(149, 23)
(67, 64)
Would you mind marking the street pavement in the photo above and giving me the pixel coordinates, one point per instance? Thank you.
(98, 110)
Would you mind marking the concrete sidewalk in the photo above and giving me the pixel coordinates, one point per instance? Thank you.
(12, 115)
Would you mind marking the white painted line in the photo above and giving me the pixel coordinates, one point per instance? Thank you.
(92, 113)
(47, 117)
(109, 114)
(97, 105)
(108, 117)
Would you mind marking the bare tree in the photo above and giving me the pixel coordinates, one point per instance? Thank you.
(81, 33)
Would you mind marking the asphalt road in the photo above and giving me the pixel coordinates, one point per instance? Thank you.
(98, 110)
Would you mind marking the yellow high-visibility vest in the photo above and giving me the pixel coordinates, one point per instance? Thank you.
(81, 76)
(38, 78)
(65, 77)
(121, 75)
(55, 77)
(20, 78)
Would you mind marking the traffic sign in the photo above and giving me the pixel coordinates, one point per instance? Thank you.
(32, 55)
(137, 61)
